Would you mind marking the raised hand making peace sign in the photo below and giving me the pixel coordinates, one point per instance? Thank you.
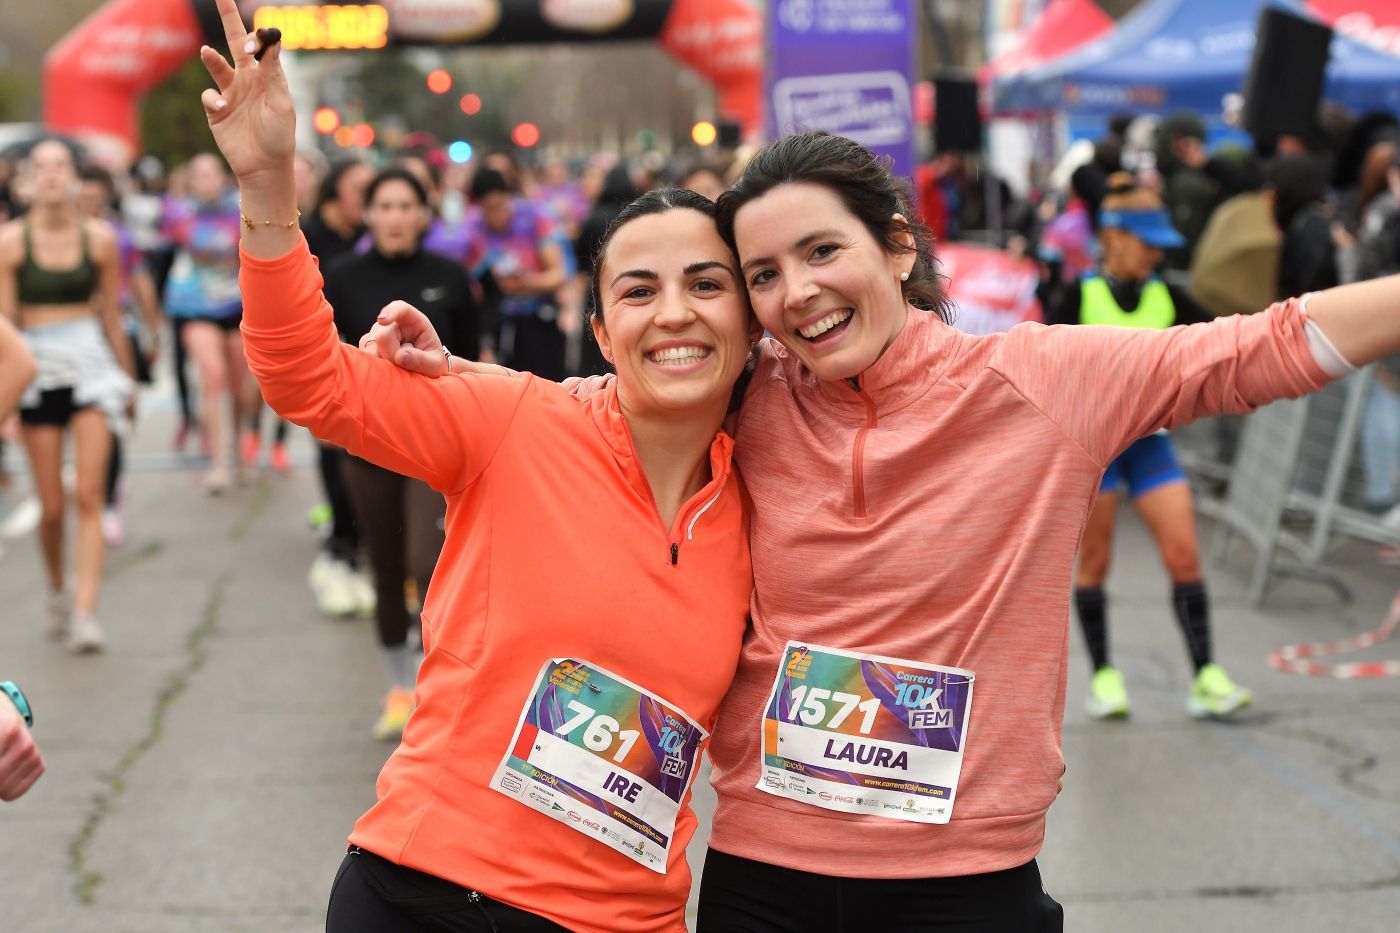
(254, 125)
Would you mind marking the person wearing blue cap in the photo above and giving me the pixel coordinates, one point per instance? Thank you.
(1134, 231)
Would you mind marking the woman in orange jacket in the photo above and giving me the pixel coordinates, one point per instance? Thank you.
(576, 645)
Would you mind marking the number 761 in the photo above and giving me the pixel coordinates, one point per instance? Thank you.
(601, 731)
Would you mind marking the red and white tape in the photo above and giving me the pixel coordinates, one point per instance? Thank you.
(1294, 658)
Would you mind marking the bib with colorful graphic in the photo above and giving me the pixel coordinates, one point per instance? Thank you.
(861, 733)
(604, 756)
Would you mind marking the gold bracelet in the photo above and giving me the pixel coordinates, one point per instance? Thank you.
(249, 223)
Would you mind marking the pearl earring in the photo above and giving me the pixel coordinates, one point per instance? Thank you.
(904, 276)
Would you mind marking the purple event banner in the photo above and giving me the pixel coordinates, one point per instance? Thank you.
(845, 66)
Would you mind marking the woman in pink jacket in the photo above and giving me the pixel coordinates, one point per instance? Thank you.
(890, 747)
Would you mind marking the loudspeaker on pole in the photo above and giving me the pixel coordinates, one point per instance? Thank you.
(957, 121)
(1284, 86)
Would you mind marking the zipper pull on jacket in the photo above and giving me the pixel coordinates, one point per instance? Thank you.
(675, 554)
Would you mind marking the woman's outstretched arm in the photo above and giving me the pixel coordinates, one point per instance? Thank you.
(1362, 319)
(443, 431)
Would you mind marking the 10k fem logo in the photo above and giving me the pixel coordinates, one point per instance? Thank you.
(929, 715)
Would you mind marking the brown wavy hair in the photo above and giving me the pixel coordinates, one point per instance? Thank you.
(866, 187)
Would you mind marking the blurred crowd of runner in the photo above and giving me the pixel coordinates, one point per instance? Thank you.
(522, 235)
(1255, 225)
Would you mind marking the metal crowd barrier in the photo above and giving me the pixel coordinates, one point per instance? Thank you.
(1291, 486)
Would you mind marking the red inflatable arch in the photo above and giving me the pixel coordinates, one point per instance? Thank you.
(95, 75)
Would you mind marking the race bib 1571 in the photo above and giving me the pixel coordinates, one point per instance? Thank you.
(861, 733)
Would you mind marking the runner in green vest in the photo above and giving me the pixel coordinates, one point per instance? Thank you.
(1134, 229)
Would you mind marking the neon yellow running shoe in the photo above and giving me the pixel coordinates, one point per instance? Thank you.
(1214, 694)
(319, 516)
(398, 706)
(1108, 697)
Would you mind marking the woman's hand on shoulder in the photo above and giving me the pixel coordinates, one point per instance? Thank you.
(403, 335)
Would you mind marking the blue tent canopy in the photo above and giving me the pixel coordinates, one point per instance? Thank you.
(1171, 55)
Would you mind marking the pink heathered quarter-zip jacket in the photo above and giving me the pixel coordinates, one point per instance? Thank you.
(934, 516)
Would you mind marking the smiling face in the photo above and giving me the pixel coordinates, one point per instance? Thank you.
(818, 280)
(673, 318)
(396, 217)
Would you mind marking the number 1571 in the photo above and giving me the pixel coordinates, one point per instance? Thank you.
(809, 706)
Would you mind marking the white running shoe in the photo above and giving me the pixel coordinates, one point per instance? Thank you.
(60, 613)
(361, 586)
(330, 582)
(22, 519)
(86, 635)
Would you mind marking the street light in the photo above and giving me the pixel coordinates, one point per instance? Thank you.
(326, 120)
(439, 81)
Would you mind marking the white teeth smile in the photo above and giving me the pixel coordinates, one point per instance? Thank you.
(825, 324)
(678, 356)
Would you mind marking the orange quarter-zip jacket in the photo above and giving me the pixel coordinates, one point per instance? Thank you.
(554, 549)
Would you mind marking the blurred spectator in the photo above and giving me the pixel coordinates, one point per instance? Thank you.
(618, 191)
(562, 195)
(515, 252)
(308, 169)
(1375, 252)
(1349, 166)
(443, 238)
(141, 212)
(1235, 269)
(933, 209)
(702, 179)
(141, 322)
(1108, 155)
(509, 167)
(1189, 192)
(1298, 186)
(332, 230)
(338, 220)
(1069, 244)
(950, 178)
(202, 294)
(1140, 150)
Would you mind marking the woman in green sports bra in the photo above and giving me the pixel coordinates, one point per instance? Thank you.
(59, 285)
